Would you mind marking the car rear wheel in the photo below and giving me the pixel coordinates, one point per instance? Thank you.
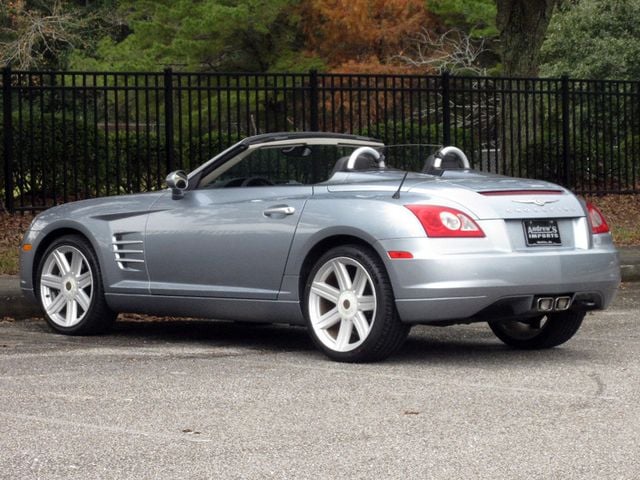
(69, 288)
(350, 308)
(545, 331)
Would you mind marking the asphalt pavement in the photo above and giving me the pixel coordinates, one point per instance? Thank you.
(196, 399)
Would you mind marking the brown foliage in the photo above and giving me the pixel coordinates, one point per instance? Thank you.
(361, 35)
(373, 66)
(12, 228)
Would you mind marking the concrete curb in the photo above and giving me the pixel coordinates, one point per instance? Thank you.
(630, 263)
(13, 304)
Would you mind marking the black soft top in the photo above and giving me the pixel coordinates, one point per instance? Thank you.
(274, 137)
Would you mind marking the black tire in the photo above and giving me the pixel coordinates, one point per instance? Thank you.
(555, 329)
(98, 317)
(387, 333)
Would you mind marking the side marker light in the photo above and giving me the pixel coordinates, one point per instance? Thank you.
(397, 254)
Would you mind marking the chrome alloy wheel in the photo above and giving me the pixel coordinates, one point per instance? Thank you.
(66, 286)
(342, 304)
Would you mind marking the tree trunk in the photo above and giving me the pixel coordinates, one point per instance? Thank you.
(522, 25)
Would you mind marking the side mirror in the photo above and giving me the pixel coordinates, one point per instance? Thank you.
(178, 182)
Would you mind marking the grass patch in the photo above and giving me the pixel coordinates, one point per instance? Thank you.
(623, 216)
(624, 236)
(8, 262)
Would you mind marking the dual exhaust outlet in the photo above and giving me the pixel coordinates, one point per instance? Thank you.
(551, 304)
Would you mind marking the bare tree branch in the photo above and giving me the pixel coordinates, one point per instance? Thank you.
(34, 35)
(454, 51)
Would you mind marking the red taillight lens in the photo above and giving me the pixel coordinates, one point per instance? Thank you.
(440, 221)
(596, 219)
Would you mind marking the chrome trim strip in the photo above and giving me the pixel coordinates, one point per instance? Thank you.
(129, 260)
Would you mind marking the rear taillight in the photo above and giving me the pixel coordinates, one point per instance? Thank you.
(596, 219)
(440, 221)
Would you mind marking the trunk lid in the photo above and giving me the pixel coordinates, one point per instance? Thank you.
(493, 196)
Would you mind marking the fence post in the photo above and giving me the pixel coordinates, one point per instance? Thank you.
(7, 125)
(314, 123)
(446, 109)
(565, 131)
(168, 118)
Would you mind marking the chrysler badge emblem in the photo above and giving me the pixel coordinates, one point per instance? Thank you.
(540, 203)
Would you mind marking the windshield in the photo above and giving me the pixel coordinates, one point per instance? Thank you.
(295, 164)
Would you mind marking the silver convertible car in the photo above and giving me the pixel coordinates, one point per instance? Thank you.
(332, 232)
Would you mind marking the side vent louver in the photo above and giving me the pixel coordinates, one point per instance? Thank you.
(128, 249)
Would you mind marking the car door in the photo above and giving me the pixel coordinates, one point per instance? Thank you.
(223, 242)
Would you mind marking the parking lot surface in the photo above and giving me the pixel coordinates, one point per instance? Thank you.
(196, 399)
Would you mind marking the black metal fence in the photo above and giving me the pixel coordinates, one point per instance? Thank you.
(71, 135)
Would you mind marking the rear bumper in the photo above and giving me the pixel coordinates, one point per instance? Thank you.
(447, 287)
(492, 305)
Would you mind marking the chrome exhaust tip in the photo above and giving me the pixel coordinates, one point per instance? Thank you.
(562, 303)
(545, 304)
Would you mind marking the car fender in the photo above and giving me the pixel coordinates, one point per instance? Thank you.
(95, 219)
(39, 238)
(325, 217)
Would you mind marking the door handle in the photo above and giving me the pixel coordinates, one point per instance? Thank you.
(282, 210)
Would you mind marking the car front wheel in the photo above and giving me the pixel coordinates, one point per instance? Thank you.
(349, 306)
(69, 288)
(545, 331)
